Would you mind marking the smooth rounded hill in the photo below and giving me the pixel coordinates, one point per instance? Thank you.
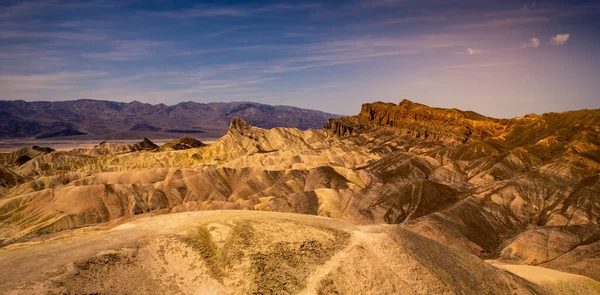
(241, 252)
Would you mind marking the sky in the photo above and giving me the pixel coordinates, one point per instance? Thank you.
(498, 58)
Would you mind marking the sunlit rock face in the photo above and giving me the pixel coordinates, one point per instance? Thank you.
(485, 186)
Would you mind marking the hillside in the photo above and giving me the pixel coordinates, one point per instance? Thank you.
(516, 192)
(229, 252)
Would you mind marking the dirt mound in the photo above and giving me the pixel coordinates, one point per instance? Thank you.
(249, 253)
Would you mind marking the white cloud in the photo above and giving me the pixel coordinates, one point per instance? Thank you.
(560, 39)
(473, 51)
(533, 43)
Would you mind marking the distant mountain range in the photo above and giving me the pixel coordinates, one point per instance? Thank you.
(97, 119)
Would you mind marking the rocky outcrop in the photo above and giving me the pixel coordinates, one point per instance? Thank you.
(456, 127)
(144, 145)
(22, 156)
(8, 179)
(419, 121)
(115, 148)
(182, 143)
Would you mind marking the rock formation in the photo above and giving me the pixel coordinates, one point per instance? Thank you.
(512, 191)
(182, 143)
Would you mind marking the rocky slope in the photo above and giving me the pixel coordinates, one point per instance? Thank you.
(182, 143)
(241, 252)
(519, 191)
(93, 119)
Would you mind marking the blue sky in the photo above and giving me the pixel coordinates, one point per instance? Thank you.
(498, 58)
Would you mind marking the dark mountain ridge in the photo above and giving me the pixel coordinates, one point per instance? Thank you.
(87, 118)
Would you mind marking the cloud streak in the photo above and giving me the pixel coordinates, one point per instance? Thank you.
(207, 11)
(50, 81)
(127, 51)
(469, 51)
(67, 35)
(482, 65)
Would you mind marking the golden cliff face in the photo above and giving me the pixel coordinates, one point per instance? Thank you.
(420, 121)
(457, 127)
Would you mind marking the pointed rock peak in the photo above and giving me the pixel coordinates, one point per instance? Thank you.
(145, 144)
(238, 124)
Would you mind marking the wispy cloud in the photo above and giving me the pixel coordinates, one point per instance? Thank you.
(532, 43)
(201, 11)
(224, 31)
(503, 22)
(339, 52)
(28, 8)
(54, 81)
(127, 51)
(194, 86)
(481, 65)
(560, 39)
(469, 51)
(281, 6)
(24, 8)
(302, 34)
(382, 3)
(409, 19)
(231, 48)
(77, 35)
(359, 50)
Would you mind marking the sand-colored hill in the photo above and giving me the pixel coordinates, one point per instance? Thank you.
(242, 252)
(520, 191)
